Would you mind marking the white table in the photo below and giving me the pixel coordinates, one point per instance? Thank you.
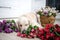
(12, 36)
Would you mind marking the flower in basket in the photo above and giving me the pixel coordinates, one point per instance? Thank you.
(47, 11)
(47, 15)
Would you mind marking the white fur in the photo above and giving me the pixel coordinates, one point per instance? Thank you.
(27, 19)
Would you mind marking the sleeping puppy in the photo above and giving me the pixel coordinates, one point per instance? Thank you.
(27, 19)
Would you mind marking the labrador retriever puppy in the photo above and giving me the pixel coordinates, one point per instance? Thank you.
(27, 19)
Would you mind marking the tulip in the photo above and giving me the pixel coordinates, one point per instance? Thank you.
(18, 34)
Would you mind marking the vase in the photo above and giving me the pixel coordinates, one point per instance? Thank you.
(47, 20)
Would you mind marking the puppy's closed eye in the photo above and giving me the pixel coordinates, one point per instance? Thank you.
(20, 25)
(26, 24)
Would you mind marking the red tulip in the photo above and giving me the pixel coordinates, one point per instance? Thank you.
(52, 34)
(47, 35)
(47, 30)
(57, 38)
(39, 28)
(32, 35)
(23, 35)
(58, 29)
(48, 26)
(33, 30)
(29, 36)
(18, 34)
(56, 25)
(41, 31)
(42, 37)
(38, 35)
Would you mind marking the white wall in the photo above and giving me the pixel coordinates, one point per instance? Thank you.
(37, 4)
(18, 7)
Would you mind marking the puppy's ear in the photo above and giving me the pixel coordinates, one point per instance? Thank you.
(18, 25)
(38, 18)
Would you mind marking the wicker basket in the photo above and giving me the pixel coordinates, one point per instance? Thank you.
(47, 20)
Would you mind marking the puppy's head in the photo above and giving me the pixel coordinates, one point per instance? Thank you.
(23, 23)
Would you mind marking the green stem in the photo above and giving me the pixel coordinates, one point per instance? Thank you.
(57, 34)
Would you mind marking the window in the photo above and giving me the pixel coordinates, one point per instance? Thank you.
(53, 3)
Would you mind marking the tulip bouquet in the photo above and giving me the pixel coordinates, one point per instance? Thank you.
(47, 15)
(50, 32)
(8, 26)
(31, 32)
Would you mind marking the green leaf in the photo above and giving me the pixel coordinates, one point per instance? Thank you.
(27, 32)
(54, 14)
(29, 29)
(51, 29)
(57, 33)
(13, 27)
(8, 21)
(35, 27)
(13, 21)
(40, 13)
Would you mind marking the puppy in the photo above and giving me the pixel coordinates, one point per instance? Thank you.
(27, 19)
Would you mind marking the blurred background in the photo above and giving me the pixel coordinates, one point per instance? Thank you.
(15, 8)
(12, 9)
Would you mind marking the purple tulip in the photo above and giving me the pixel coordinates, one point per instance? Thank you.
(16, 30)
(0, 30)
(3, 24)
(11, 24)
(0, 24)
(8, 30)
(4, 21)
(8, 25)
